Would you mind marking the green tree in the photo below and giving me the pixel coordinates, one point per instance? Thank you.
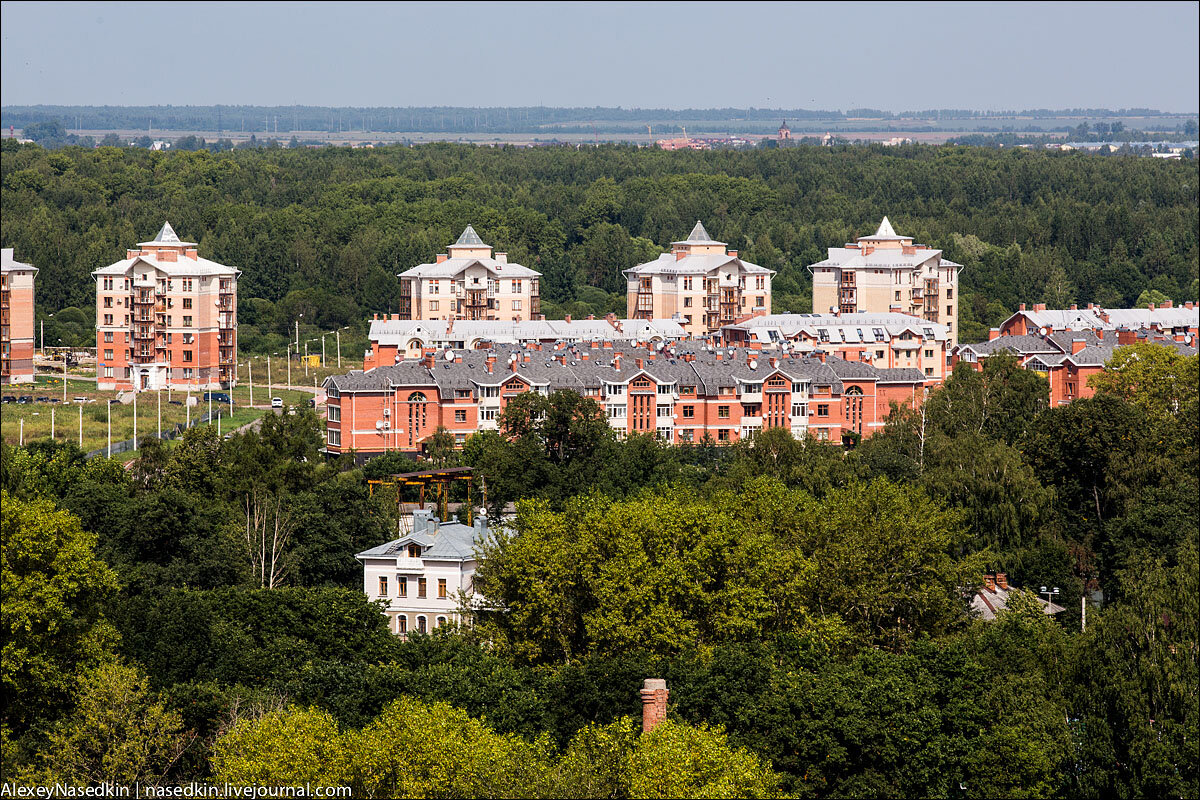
(55, 590)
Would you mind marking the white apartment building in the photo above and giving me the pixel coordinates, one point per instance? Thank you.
(420, 575)
(468, 282)
(888, 273)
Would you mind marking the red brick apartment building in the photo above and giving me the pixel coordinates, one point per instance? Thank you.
(16, 320)
(166, 317)
(680, 393)
(1069, 346)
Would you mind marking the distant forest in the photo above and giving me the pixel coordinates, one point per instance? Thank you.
(323, 232)
(286, 119)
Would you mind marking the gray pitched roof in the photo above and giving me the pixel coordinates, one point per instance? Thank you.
(698, 236)
(166, 235)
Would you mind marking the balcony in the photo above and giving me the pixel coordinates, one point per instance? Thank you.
(409, 564)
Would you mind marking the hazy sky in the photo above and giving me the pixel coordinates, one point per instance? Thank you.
(893, 56)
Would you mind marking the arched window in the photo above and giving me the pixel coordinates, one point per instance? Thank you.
(441, 621)
(854, 390)
(402, 624)
(416, 417)
(421, 628)
(416, 397)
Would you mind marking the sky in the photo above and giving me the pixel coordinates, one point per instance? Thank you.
(828, 55)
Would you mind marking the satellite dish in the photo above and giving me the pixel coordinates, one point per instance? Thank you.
(753, 364)
(449, 355)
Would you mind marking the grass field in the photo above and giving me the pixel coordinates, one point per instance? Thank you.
(84, 419)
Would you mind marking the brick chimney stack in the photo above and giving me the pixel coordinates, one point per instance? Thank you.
(654, 703)
(989, 582)
(1077, 345)
(1002, 580)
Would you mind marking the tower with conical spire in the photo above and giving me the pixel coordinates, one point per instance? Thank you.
(701, 284)
(165, 317)
(469, 281)
(888, 273)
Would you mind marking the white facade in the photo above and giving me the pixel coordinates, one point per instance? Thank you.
(421, 575)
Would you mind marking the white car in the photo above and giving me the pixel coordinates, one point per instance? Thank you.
(276, 402)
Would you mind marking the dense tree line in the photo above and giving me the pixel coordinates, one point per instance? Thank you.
(323, 232)
(805, 602)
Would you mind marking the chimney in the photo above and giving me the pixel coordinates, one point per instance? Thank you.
(566, 317)
(502, 258)
(611, 319)
(375, 316)
(1021, 307)
(1074, 307)
(1150, 306)
(1039, 306)
(1188, 305)
(617, 361)
(820, 354)
(1002, 580)
(1099, 333)
(1077, 345)
(733, 253)
(993, 333)
(491, 362)
(513, 364)
(638, 362)
(1126, 337)
(132, 253)
(680, 254)
(654, 703)
(989, 582)
(591, 317)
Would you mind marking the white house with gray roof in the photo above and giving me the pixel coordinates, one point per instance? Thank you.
(421, 576)
(469, 282)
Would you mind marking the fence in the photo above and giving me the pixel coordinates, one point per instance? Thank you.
(131, 444)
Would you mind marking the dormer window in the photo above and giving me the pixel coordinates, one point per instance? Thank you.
(414, 551)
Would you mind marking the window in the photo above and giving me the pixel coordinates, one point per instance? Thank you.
(187, 302)
(687, 285)
(188, 372)
(760, 301)
(187, 356)
(949, 311)
(460, 438)
(188, 338)
(687, 302)
(949, 294)
(664, 411)
(897, 294)
(460, 415)
(108, 337)
(723, 412)
(516, 288)
(187, 284)
(822, 410)
(402, 587)
(489, 391)
(108, 372)
(414, 551)
(383, 587)
(487, 413)
(108, 302)
(760, 283)
(433, 287)
(616, 412)
(333, 412)
(433, 305)
(108, 355)
(421, 587)
(614, 389)
(664, 388)
(823, 434)
(108, 319)
(879, 354)
(689, 412)
(442, 588)
(929, 354)
(723, 435)
(402, 623)
(687, 435)
(441, 621)
(421, 625)
(929, 370)
(187, 320)
(108, 284)
(516, 305)
(799, 409)
(333, 437)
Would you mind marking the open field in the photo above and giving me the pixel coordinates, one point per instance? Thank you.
(84, 419)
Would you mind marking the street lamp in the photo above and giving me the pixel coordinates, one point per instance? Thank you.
(1050, 593)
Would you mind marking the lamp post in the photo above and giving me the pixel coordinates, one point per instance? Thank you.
(1050, 593)
(339, 347)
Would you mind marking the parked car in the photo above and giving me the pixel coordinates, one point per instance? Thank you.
(47, 400)
(10, 398)
(276, 402)
(175, 402)
(217, 397)
(25, 398)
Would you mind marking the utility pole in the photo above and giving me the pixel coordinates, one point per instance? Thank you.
(250, 372)
(159, 393)
(81, 427)
(270, 388)
(339, 348)
(135, 394)
(322, 350)
(51, 422)
(289, 360)
(109, 454)
(306, 358)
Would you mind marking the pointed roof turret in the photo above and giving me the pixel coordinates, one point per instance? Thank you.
(885, 229)
(166, 238)
(699, 236)
(885, 233)
(469, 238)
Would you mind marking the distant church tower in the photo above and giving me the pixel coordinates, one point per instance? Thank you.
(784, 131)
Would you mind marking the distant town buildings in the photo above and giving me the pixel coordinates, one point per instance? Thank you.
(420, 575)
(888, 273)
(685, 392)
(699, 282)
(784, 131)
(16, 319)
(993, 599)
(166, 317)
(468, 282)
